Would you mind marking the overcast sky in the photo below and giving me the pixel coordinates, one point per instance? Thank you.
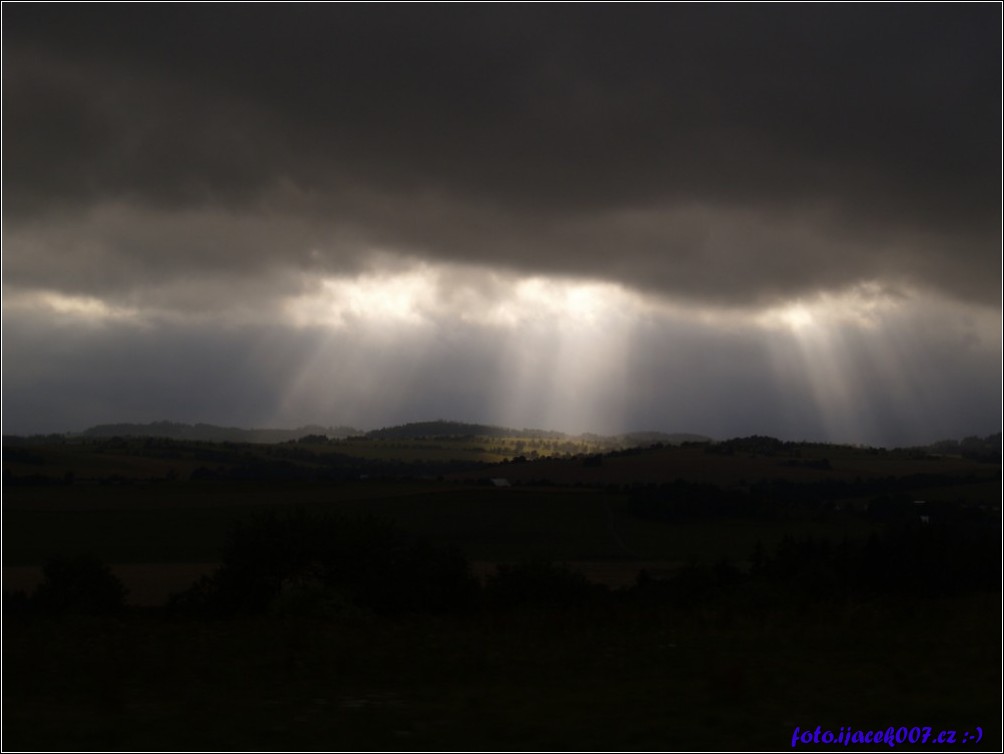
(707, 218)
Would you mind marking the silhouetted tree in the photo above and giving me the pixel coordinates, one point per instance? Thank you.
(538, 584)
(325, 564)
(79, 584)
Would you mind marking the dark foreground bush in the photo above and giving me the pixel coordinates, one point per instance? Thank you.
(539, 584)
(326, 565)
(80, 584)
(913, 561)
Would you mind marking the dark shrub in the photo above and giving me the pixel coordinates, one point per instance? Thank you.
(539, 584)
(691, 585)
(80, 584)
(15, 603)
(322, 565)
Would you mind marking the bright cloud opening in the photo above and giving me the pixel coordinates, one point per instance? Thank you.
(79, 309)
(863, 306)
(426, 294)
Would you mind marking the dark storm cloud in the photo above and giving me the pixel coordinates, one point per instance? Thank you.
(733, 154)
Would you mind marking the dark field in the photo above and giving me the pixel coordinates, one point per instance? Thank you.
(183, 522)
(692, 640)
(624, 679)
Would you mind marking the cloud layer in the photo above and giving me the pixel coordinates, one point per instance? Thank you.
(251, 175)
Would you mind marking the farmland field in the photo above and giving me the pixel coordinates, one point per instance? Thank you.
(189, 522)
(689, 642)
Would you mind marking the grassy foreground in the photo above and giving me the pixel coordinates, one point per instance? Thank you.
(633, 677)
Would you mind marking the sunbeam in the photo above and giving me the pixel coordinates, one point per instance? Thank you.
(553, 351)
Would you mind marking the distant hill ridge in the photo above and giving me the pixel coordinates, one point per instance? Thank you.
(213, 433)
(410, 431)
(443, 428)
